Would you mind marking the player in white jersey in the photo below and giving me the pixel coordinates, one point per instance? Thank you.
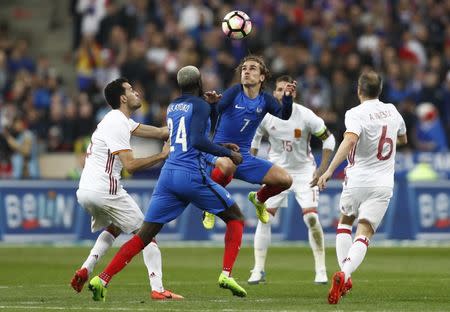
(100, 191)
(373, 131)
(290, 149)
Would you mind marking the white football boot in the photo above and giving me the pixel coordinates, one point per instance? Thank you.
(257, 277)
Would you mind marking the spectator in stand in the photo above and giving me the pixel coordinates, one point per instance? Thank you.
(25, 150)
(430, 132)
(108, 22)
(88, 60)
(3, 71)
(326, 43)
(20, 59)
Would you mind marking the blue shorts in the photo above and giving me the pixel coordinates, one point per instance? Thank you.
(176, 189)
(252, 169)
(210, 161)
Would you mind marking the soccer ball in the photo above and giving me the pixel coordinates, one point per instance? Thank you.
(236, 24)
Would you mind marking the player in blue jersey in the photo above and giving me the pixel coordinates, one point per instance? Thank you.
(183, 180)
(241, 109)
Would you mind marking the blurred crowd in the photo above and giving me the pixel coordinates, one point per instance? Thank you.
(323, 44)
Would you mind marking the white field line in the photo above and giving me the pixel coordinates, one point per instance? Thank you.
(20, 307)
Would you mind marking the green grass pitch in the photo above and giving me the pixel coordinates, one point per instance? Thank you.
(390, 279)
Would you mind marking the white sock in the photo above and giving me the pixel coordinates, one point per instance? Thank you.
(152, 260)
(355, 256)
(101, 246)
(263, 236)
(343, 242)
(315, 235)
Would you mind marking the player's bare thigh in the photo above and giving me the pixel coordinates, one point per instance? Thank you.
(225, 165)
(277, 176)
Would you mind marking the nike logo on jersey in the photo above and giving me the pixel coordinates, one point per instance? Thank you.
(239, 107)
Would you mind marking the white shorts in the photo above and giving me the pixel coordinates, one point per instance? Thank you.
(105, 209)
(369, 203)
(306, 196)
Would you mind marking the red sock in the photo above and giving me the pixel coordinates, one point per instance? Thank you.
(233, 239)
(268, 191)
(122, 257)
(218, 177)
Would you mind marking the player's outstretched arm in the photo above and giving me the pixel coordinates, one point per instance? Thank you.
(151, 132)
(198, 138)
(284, 112)
(212, 97)
(328, 145)
(344, 149)
(132, 164)
(256, 142)
(227, 97)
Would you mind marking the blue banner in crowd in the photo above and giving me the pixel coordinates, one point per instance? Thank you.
(440, 162)
(48, 211)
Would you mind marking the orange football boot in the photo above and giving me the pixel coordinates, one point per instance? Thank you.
(165, 295)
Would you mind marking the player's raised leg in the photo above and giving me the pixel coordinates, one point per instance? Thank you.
(102, 244)
(358, 250)
(343, 243)
(275, 181)
(222, 174)
(354, 258)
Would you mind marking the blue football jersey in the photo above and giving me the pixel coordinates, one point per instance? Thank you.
(240, 116)
(188, 122)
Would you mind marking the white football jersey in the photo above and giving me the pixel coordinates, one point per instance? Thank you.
(102, 170)
(371, 162)
(289, 139)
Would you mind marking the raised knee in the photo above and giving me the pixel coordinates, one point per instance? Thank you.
(226, 166)
(287, 181)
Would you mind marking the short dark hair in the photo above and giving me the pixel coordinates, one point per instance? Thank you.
(370, 84)
(284, 78)
(114, 90)
(262, 66)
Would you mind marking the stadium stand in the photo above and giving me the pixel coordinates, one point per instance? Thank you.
(55, 81)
